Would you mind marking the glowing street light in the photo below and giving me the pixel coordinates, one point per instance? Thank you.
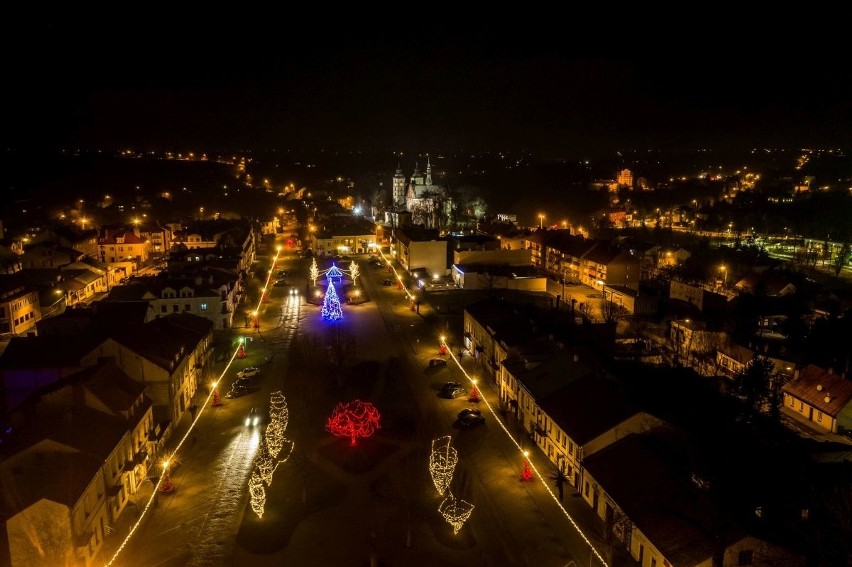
(541, 221)
(724, 269)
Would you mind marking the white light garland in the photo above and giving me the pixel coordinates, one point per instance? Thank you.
(442, 463)
(257, 493)
(456, 511)
(279, 419)
(354, 272)
(314, 273)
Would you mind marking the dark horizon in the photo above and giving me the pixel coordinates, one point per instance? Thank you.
(173, 83)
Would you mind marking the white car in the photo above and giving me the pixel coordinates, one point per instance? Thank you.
(249, 372)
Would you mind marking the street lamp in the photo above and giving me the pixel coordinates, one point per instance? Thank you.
(541, 221)
(725, 273)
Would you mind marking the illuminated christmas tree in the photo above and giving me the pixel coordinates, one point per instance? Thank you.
(331, 310)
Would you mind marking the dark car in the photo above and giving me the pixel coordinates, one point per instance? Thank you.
(470, 420)
(437, 362)
(468, 411)
(281, 283)
(238, 390)
(387, 281)
(282, 273)
(451, 390)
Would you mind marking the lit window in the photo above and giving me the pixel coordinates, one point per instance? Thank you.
(203, 307)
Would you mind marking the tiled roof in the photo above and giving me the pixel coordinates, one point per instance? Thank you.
(587, 407)
(58, 476)
(602, 253)
(164, 339)
(47, 351)
(86, 429)
(814, 385)
(644, 476)
(129, 236)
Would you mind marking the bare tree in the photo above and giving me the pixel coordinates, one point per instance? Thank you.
(612, 312)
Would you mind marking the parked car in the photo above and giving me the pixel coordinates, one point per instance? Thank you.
(282, 273)
(281, 283)
(470, 420)
(451, 390)
(387, 281)
(239, 390)
(468, 411)
(253, 418)
(437, 362)
(248, 372)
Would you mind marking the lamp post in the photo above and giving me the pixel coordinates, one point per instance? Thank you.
(725, 274)
(540, 221)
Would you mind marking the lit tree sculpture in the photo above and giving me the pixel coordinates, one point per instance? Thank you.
(442, 463)
(354, 272)
(354, 419)
(456, 511)
(314, 273)
(331, 310)
(257, 493)
(278, 420)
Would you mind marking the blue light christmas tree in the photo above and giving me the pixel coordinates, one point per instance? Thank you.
(331, 310)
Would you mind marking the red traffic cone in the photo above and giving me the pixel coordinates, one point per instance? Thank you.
(241, 353)
(216, 402)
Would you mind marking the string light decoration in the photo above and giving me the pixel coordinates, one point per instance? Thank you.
(278, 411)
(354, 419)
(331, 310)
(257, 493)
(455, 511)
(442, 462)
(314, 273)
(354, 272)
(279, 418)
(263, 463)
(398, 277)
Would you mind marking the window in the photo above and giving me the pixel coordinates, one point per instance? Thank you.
(187, 307)
(163, 308)
(819, 416)
(203, 307)
(745, 557)
(176, 308)
(588, 486)
(653, 562)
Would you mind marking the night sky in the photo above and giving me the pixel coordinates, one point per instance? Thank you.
(231, 81)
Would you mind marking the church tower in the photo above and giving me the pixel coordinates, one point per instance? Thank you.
(428, 173)
(398, 188)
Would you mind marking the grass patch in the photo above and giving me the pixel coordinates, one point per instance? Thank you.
(285, 509)
(358, 459)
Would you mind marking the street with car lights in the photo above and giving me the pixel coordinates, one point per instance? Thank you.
(206, 519)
